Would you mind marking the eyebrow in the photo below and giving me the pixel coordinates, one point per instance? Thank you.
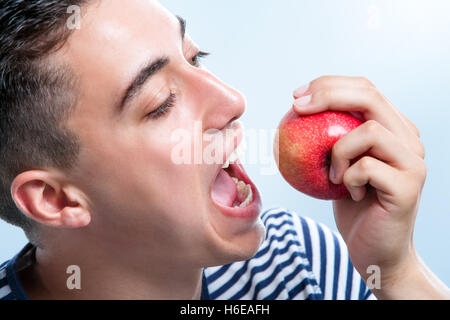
(182, 26)
(147, 71)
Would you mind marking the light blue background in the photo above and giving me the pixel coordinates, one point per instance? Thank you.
(267, 48)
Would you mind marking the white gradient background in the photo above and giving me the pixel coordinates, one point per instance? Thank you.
(267, 48)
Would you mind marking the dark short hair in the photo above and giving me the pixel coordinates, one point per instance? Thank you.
(37, 95)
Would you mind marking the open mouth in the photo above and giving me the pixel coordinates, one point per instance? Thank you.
(234, 194)
(232, 191)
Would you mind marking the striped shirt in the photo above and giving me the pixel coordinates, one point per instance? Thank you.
(299, 259)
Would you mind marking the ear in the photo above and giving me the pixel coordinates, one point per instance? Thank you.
(43, 196)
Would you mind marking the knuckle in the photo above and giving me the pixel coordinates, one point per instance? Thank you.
(347, 178)
(418, 174)
(414, 127)
(422, 171)
(421, 149)
(337, 150)
(366, 163)
(372, 127)
(365, 82)
(375, 94)
(323, 95)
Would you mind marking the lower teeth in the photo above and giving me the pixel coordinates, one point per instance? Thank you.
(245, 191)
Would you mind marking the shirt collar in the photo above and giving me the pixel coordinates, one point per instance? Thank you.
(20, 261)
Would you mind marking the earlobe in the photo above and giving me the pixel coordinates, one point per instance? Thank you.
(42, 197)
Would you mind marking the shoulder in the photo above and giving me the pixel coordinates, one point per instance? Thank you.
(279, 270)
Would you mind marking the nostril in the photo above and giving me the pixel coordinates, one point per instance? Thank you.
(230, 123)
(234, 119)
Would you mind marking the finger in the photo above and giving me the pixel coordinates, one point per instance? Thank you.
(412, 126)
(351, 82)
(332, 82)
(374, 172)
(369, 101)
(377, 141)
(408, 130)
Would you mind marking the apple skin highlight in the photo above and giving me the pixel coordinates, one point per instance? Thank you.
(302, 150)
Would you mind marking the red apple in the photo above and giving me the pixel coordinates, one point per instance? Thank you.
(303, 147)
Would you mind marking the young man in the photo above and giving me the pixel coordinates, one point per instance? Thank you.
(87, 170)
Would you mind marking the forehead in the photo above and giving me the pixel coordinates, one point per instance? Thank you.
(115, 39)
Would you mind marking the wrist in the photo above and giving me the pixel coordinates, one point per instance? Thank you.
(398, 278)
(410, 280)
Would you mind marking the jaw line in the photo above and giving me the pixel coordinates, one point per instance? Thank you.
(229, 245)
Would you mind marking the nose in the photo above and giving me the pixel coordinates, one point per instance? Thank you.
(215, 103)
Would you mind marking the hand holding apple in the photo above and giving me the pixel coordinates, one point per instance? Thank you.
(381, 163)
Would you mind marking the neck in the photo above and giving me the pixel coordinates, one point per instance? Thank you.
(109, 274)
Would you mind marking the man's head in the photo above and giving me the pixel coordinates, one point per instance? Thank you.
(130, 80)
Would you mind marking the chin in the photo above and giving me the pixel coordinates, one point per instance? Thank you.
(230, 246)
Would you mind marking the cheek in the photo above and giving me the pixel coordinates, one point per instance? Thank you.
(161, 179)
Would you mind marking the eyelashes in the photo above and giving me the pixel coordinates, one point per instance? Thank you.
(170, 102)
(164, 108)
(195, 61)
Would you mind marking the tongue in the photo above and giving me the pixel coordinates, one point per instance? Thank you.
(224, 190)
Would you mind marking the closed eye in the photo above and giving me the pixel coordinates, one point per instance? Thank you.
(163, 109)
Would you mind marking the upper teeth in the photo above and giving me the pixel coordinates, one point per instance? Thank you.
(235, 155)
(226, 164)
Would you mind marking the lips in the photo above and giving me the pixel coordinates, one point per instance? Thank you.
(238, 199)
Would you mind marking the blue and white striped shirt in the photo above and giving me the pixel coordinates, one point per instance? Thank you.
(299, 259)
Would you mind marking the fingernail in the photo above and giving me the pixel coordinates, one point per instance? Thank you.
(332, 174)
(301, 91)
(303, 101)
(353, 195)
(357, 193)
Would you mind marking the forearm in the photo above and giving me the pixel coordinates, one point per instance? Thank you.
(414, 282)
